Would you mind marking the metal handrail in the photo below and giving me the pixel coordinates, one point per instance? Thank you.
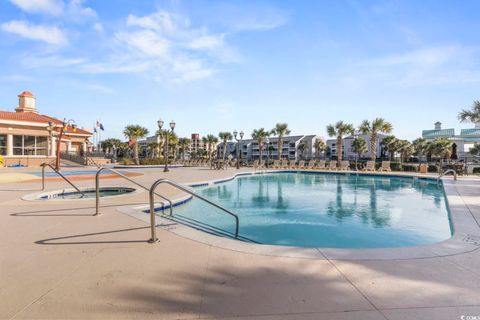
(448, 171)
(97, 188)
(191, 192)
(43, 165)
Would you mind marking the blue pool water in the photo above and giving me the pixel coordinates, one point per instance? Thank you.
(326, 210)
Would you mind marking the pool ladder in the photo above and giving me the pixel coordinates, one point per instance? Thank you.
(43, 165)
(192, 193)
(446, 172)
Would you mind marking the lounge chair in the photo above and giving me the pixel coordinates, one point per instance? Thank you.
(370, 166)
(300, 164)
(320, 165)
(276, 164)
(332, 165)
(284, 164)
(310, 165)
(345, 165)
(291, 164)
(385, 166)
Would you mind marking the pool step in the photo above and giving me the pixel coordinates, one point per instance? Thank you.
(206, 227)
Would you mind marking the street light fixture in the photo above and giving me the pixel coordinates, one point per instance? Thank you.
(355, 141)
(160, 124)
(268, 150)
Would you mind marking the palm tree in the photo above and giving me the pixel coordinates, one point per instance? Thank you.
(183, 144)
(359, 146)
(441, 147)
(281, 130)
(133, 133)
(210, 141)
(302, 146)
(406, 149)
(319, 146)
(377, 126)
(225, 136)
(419, 147)
(172, 143)
(472, 115)
(152, 148)
(387, 144)
(260, 135)
(338, 130)
(475, 150)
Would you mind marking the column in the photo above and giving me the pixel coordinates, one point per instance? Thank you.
(10, 145)
(53, 147)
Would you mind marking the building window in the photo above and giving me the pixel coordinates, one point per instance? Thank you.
(30, 146)
(3, 145)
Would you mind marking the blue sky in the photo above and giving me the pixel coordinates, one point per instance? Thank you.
(222, 65)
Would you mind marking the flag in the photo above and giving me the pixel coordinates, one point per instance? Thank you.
(94, 130)
(101, 127)
(98, 123)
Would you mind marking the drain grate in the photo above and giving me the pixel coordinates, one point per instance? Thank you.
(475, 240)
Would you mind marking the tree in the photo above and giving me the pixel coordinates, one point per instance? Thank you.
(183, 144)
(108, 144)
(225, 136)
(373, 128)
(472, 115)
(260, 135)
(338, 130)
(133, 133)
(302, 147)
(152, 149)
(172, 143)
(388, 144)
(319, 146)
(419, 147)
(406, 149)
(210, 141)
(441, 147)
(359, 146)
(281, 130)
(475, 150)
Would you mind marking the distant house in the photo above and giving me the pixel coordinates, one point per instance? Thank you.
(25, 138)
(348, 153)
(461, 143)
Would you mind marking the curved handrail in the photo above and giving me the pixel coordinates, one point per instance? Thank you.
(97, 188)
(191, 192)
(448, 171)
(43, 165)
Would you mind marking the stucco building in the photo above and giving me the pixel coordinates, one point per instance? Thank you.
(29, 138)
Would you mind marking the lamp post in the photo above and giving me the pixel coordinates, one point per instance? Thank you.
(355, 139)
(172, 127)
(239, 152)
(267, 141)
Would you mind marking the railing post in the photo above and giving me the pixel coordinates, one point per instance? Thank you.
(153, 239)
(97, 192)
(43, 176)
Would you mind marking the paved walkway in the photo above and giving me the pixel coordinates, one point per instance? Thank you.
(59, 262)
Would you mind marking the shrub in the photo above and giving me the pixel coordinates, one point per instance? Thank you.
(396, 166)
(127, 161)
(1, 161)
(409, 168)
(476, 170)
(432, 168)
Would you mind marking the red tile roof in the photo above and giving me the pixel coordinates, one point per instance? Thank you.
(35, 117)
(26, 94)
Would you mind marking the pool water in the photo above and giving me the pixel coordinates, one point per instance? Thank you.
(326, 210)
(89, 193)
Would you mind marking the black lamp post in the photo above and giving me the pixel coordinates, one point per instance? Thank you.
(172, 126)
(355, 141)
(239, 153)
(268, 150)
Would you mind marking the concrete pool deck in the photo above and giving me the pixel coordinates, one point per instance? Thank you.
(58, 261)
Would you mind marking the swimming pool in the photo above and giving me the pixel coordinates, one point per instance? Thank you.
(325, 210)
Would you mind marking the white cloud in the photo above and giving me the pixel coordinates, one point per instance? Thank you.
(49, 34)
(53, 7)
(97, 26)
(161, 21)
(144, 41)
(207, 42)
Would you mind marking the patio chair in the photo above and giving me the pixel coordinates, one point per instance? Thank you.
(320, 165)
(332, 165)
(284, 164)
(300, 164)
(345, 165)
(370, 166)
(385, 167)
(291, 164)
(310, 165)
(276, 164)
